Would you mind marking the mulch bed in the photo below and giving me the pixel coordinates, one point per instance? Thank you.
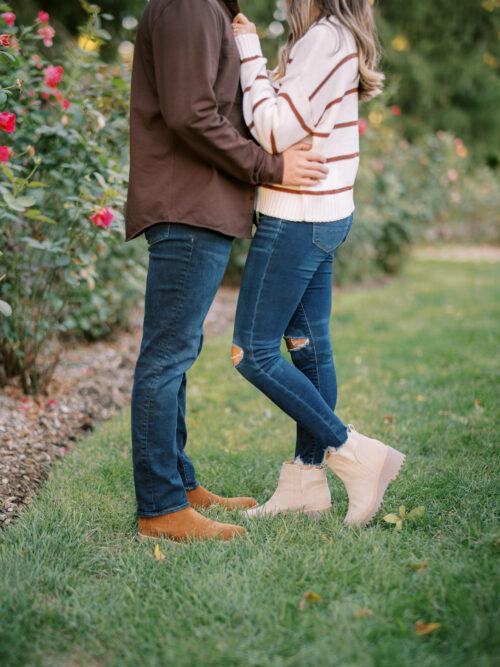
(91, 384)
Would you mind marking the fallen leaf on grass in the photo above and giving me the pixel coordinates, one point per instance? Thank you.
(158, 553)
(419, 567)
(308, 597)
(420, 397)
(403, 516)
(389, 419)
(362, 612)
(422, 628)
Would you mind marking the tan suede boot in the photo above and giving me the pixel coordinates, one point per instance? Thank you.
(367, 467)
(201, 497)
(187, 524)
(301, 489)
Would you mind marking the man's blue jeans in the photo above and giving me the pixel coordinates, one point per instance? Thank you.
(186, 266)
(287, 292)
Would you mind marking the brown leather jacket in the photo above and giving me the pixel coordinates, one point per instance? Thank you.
(191, 158)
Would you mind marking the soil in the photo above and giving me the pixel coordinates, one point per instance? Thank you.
(91, 383)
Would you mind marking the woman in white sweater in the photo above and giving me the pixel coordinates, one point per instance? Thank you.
(311, 98)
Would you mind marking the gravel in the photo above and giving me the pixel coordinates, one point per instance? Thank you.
(91, 384)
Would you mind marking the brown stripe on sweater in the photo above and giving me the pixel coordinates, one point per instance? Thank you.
(248, 60)
(274, 148)
(337, 67)
(349, 123)
(279, 188)
(337, 158)
(336, 101)
(257, 104)
(297, 115)
(249, 88)
(301, 121)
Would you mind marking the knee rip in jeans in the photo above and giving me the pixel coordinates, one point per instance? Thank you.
(237, 354)
(294, 344)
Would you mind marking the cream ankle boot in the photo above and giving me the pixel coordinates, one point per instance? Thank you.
(301, 489)
(367, 467)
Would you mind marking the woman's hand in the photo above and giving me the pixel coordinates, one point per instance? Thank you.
(242, 26)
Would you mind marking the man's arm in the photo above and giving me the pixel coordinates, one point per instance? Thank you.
(186, 42)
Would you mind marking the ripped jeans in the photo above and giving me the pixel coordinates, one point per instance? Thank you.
(286, 292)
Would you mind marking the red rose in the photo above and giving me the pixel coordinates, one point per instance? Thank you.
(7, 122)
(5, 153)
(363, 125)
(43, 17)
(47, 33)
(9, 18)
(395, 110)
(52, 75)
(103, 218)
(5, 40)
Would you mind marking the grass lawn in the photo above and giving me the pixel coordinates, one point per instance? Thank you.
(418, 364)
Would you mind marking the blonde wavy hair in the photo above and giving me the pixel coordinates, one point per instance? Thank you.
(357, 17)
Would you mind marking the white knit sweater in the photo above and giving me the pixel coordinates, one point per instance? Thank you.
(316, 100)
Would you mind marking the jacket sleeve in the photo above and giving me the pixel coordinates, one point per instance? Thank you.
(186, 43)
(320, 74)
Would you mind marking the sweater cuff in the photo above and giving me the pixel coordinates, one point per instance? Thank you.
(248, 45)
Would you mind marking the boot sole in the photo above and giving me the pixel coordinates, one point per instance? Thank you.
(391, 468)
(184, 540)
(311, 514)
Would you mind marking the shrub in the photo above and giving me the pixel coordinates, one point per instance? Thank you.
(63, 166)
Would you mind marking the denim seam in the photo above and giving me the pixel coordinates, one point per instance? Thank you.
(261, 286)
(311, 337)
(156, 377)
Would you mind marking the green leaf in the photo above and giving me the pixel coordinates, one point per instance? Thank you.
(5, 309)
(3, 98)
(37, 184)
(8, 56)
(417, 512)
(100, 179)
(26, 201)
(35, 214)
(391, 518)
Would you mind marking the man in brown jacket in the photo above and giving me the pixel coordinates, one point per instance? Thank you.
(193, 174)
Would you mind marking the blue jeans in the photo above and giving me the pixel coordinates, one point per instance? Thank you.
(186, 266)
(287, 292)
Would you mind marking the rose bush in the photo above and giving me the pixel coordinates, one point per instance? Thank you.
(63, 171)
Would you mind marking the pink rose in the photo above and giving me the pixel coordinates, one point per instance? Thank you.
(61, 99)
(395, 110)
(52, 75)
(5, 40)
(103, 218)
(47, 33)
(9, 18)
(7, 122)
(363, 125)
(5, 153)
(43, 17)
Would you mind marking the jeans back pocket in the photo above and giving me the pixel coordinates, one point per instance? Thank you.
(328, 236)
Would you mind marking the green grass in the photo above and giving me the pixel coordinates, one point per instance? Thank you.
(78, 588)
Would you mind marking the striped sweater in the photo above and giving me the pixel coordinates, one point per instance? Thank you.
(316, 100)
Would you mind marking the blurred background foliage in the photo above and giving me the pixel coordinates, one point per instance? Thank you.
(430, 150)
